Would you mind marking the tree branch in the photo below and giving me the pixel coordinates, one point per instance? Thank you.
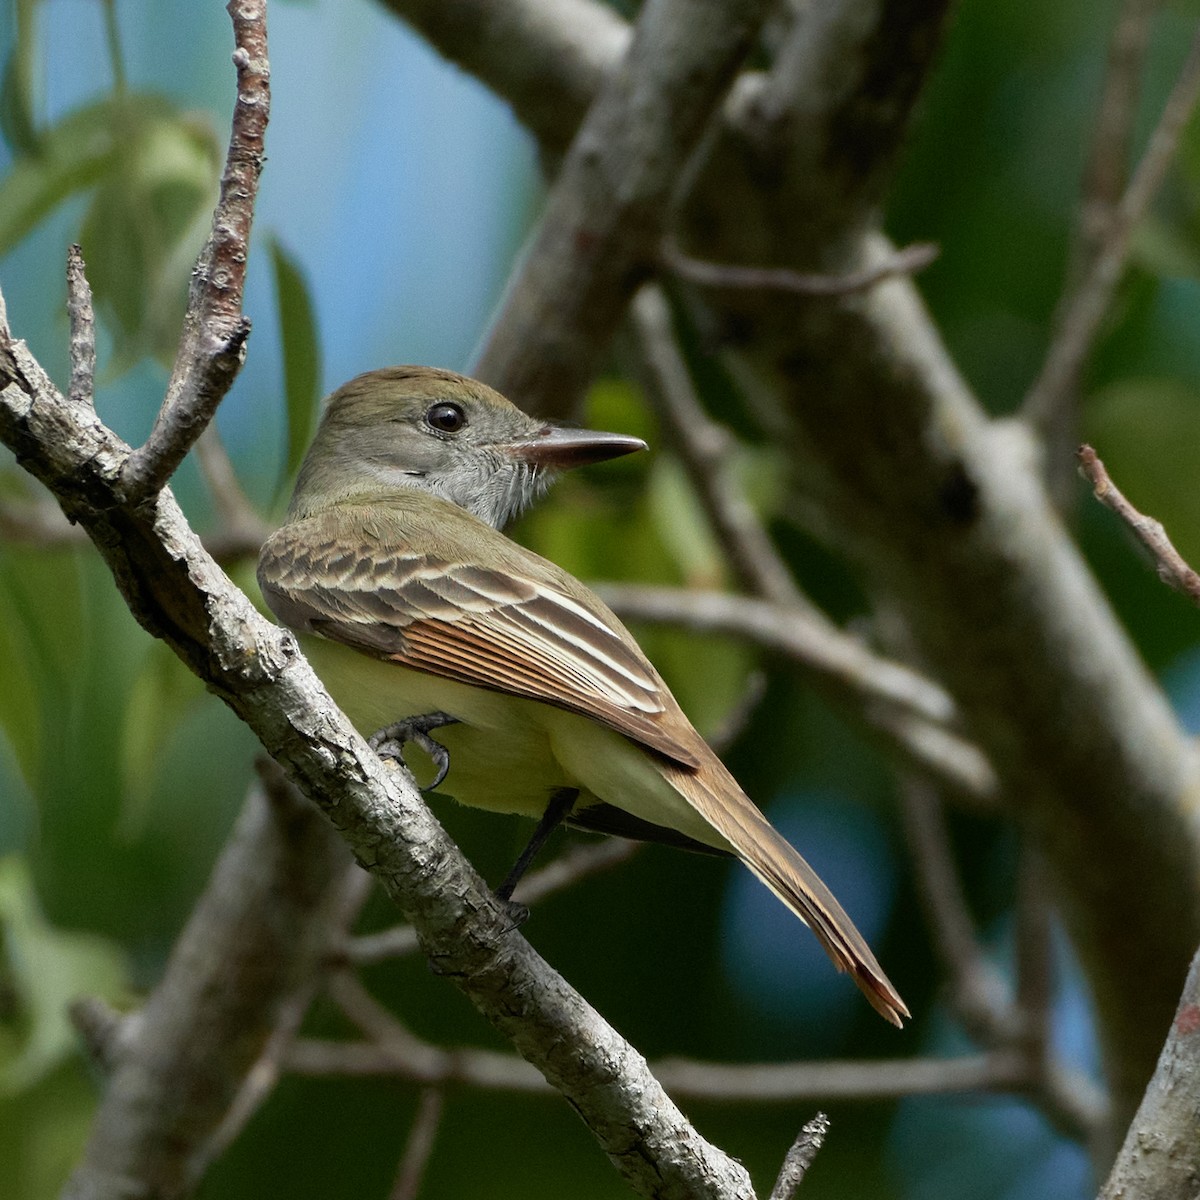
(1082, 311)
(686, 1079)
(800, 1158)
(1160, 1159)
(547, 58)
(419, 1147)
(1172, 569)
(705, 449)
(568, 869)
(943, 512)
(599, 234)
(82, 389)
(214, 1010)
(907, 261)
(214, 329)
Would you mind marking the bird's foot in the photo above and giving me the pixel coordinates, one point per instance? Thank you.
(517, 912)
(557, 809)
(389, 742)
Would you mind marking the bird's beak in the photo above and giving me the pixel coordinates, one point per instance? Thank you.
(559, 448)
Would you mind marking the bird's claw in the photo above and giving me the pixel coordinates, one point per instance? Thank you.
(516, 912)
(389, 742)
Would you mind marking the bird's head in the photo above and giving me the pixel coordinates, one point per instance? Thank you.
(445, 434)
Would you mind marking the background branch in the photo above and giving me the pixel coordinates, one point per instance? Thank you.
(547, 58)
(599, 233)
(1160, 1159)
(910, 713)
(1082, 310)
(218, 1002)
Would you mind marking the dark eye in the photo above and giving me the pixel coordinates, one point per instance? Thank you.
(449, 418)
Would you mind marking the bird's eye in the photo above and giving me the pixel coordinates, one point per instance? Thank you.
(448, 418)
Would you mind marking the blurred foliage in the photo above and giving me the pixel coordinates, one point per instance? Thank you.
(301, 359)
(119, 777)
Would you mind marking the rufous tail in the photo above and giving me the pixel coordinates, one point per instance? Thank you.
(713, 792)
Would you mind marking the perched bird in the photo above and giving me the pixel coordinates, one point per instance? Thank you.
(420, 615)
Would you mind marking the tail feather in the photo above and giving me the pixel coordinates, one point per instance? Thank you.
(715, 795)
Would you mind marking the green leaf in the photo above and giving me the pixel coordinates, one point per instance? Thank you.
(146, 224)
(17, 121)
(46, 969)
(301, 358)
(683, 526)
(75, 154)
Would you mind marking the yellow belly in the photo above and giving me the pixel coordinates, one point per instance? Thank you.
(507, 754)
(500, 752)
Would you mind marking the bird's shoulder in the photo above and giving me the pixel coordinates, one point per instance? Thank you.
(404, 543)
(428, 585)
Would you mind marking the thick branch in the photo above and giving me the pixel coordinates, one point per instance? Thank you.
(945, 515)
(607, 211)
(547, 58)
(1160, 1159)
(213, 1012)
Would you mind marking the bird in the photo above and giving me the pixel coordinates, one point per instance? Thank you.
(421, 616)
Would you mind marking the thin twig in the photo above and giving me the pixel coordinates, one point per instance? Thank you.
(912, 715)
(823, 649)
(82, 388)
(733, 1083)
(1082, 311)
(41, 523)
(257, 1086)
(977, 994)
(1016, 1028)
(734, 722)
(214, 328)
(1034, 958)
(906, 261)
(419, 1146)
(577, 863)
(1107, 168)
(800, 1157)
(348, 896)
(1104, 181)
(237, 516)
(707, 453)
(1172, 569)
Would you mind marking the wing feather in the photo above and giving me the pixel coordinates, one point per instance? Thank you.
(498, 629)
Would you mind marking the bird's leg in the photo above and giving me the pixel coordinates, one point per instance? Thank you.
(389, 742)
(556, 812)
